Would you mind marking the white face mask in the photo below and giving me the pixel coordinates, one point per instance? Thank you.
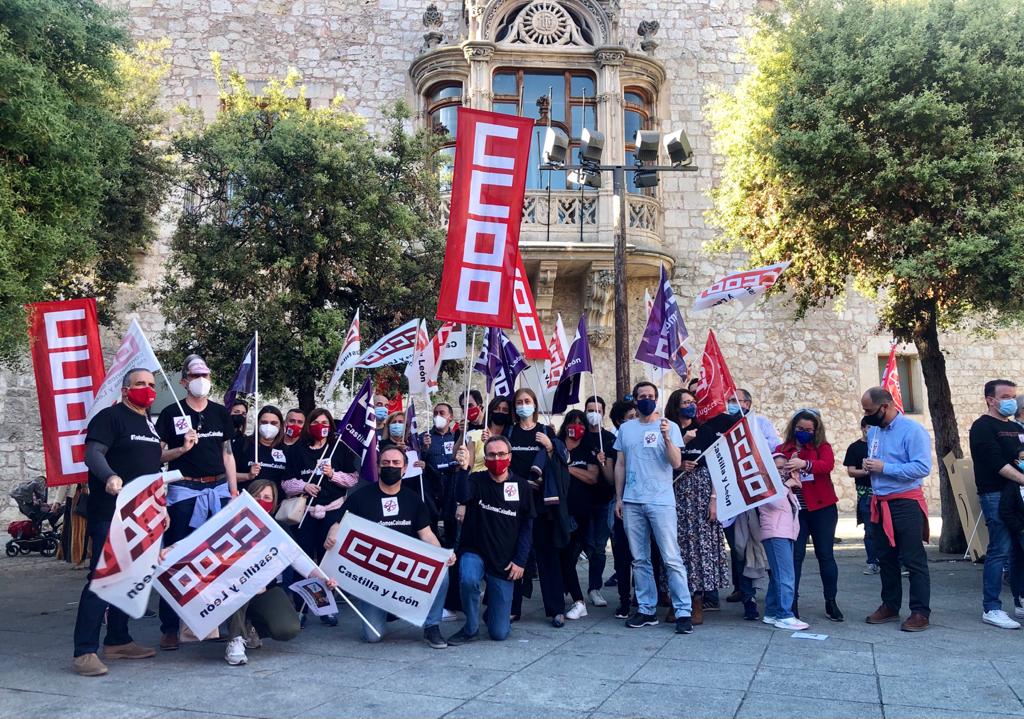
(199, 387)
(594, 418)
(440, 422)
(268, 431)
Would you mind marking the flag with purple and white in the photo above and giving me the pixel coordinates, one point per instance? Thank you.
(500, 362)
(577, 361)
(359, 425)
(245, 378)
(664, 342)
(412, 427)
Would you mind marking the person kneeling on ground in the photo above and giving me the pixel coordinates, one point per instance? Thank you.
(497, 512)
(402, 510)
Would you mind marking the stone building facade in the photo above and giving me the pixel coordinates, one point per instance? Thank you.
(610, 65)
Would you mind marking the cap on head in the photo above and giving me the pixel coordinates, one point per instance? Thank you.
(194, 365)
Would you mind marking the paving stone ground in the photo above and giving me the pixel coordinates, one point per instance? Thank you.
(594, 667)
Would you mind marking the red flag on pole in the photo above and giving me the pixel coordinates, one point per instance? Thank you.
(492, 155)
(891, 379)
(716, 384)
(527, 322)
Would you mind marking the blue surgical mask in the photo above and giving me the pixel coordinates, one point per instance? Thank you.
(1007, 407)
(1020, 464)
(803, 436)
(524, 410)
(647, 406)
(732, 408)
(380, 412)
(397, 429)
(689, 411)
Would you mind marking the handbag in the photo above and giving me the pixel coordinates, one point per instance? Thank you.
(292, 510)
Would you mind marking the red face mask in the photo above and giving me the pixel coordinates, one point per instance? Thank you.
(267, 504)
(473, 413)
(292, 431)
(498, 467)
(319, 431)
(141, 396)
(574, 431)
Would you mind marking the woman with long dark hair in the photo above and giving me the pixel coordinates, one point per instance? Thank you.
(583, 478)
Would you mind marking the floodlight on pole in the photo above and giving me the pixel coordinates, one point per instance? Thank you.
(680, 152)
(591, 146)
(645, 178)
(647, 144)
(556, 146)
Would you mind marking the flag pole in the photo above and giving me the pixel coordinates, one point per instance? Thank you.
(600, 430)
(543, 395)
(358, 613)
(319, 472)
(171, 388)
(256, 398)
(469, 378)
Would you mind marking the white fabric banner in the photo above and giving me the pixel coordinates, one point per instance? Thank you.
(418, 369)
(455, 346)
(742, 471)
(395, 347)
(225, 563)
(347, 358)
(134, 353)
(745, 286)
(385, 568)
(124, 573)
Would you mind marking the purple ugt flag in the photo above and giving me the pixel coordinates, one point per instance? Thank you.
(245, 378)
(359, 425)
(577, 361)
(490, 363)
(663, 338)
(513, 362)
(368, 467)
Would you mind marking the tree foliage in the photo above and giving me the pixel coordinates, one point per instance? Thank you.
(80, 173)
(298, 217)
(883, 140)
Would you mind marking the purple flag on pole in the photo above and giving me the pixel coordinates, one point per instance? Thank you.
(359, 425)
(500, 362)
(513, 361)
(662, 344)
(245, 378)
(490, 363)
(412, 427)
(368, 467)
(577, 361)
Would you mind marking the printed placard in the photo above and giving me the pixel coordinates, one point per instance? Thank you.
(182, 425)
(511, 490)
(650, 439)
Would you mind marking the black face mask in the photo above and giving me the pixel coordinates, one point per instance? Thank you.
(238, 420)
(390, 475)
(876, 419)
(499, 419)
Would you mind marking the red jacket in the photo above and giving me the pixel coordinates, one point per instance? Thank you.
(820, 493)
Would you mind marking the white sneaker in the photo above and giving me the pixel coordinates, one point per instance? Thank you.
(596, 598)
(769, 620)
(448, 615)
(235, 653)
(252, 638)
(999, 618)
(577, 611)
(791, 623)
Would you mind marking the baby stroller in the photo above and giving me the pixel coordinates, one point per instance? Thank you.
(30, 535)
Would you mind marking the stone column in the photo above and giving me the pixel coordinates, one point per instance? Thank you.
(477, 93)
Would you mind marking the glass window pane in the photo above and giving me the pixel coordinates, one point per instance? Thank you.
(633, 98)
(632, 122)
(582, 86)
(445, 168)
(504, 84)
(630, 185)
(447, 92)
(535, 179)
(583, 117)
(507, 108)
(537, 84)
(446, 118)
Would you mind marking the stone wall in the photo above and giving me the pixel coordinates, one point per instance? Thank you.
(362, 50)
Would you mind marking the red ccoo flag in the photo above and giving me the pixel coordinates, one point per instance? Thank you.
(891, 379)
(527, 322)
(715, 385)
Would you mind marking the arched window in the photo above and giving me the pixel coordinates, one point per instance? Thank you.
(442, 102)
(636, 115)
(572, 107)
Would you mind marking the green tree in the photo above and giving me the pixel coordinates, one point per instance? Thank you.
(80, 172)
(298, 217)
(883, 142)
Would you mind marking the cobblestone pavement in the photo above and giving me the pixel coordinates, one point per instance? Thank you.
(594, 667)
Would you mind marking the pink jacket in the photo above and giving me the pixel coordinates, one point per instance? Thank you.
(780, 519)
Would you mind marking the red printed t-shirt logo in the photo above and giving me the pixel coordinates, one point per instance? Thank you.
(395, 563)
(191, 574)
(751, 473)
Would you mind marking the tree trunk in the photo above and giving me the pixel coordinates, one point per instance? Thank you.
(307, 400)
(947, 436)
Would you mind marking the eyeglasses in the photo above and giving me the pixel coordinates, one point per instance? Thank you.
(497, 455)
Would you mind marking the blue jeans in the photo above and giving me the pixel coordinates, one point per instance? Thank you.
(778, 600)
(864, 517)
(379, 617)
(997, 553)
(499, 598)
(642, 521)
(819, 525)
(598, 531)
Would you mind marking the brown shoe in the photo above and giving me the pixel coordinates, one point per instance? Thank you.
(916, 622)
(169, 642)
(670, 616)
(131, 650)
(89, 665)
(882, 615)
(697, 610)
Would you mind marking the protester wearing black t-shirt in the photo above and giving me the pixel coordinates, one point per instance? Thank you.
(584, 475)
(198, 445)
(270, 463)
(239, 411)
(495, 541)
(121, 444)
(856, 453)
(390, 505)
(602, 493)
(995, 444)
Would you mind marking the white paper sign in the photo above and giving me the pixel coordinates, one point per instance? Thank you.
(411, 458)
(316, 595)
(182, 425)
(385, 568)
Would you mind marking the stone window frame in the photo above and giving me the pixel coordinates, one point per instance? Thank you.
(432, 105)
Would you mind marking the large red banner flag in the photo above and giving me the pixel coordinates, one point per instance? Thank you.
(891, 379)
(492, 154)
(68, 363)
(527, 321)
(715, 385)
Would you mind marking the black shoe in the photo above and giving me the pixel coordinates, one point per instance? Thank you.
(736, 596)
(558, 621)
(712, 606)
(433, 637)
(613, 581)
(641, 620)
(460, 637)
(330, 620)
(750, 610)
(832, 611)
(796, 610)
(684, 625)
(622, 612)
